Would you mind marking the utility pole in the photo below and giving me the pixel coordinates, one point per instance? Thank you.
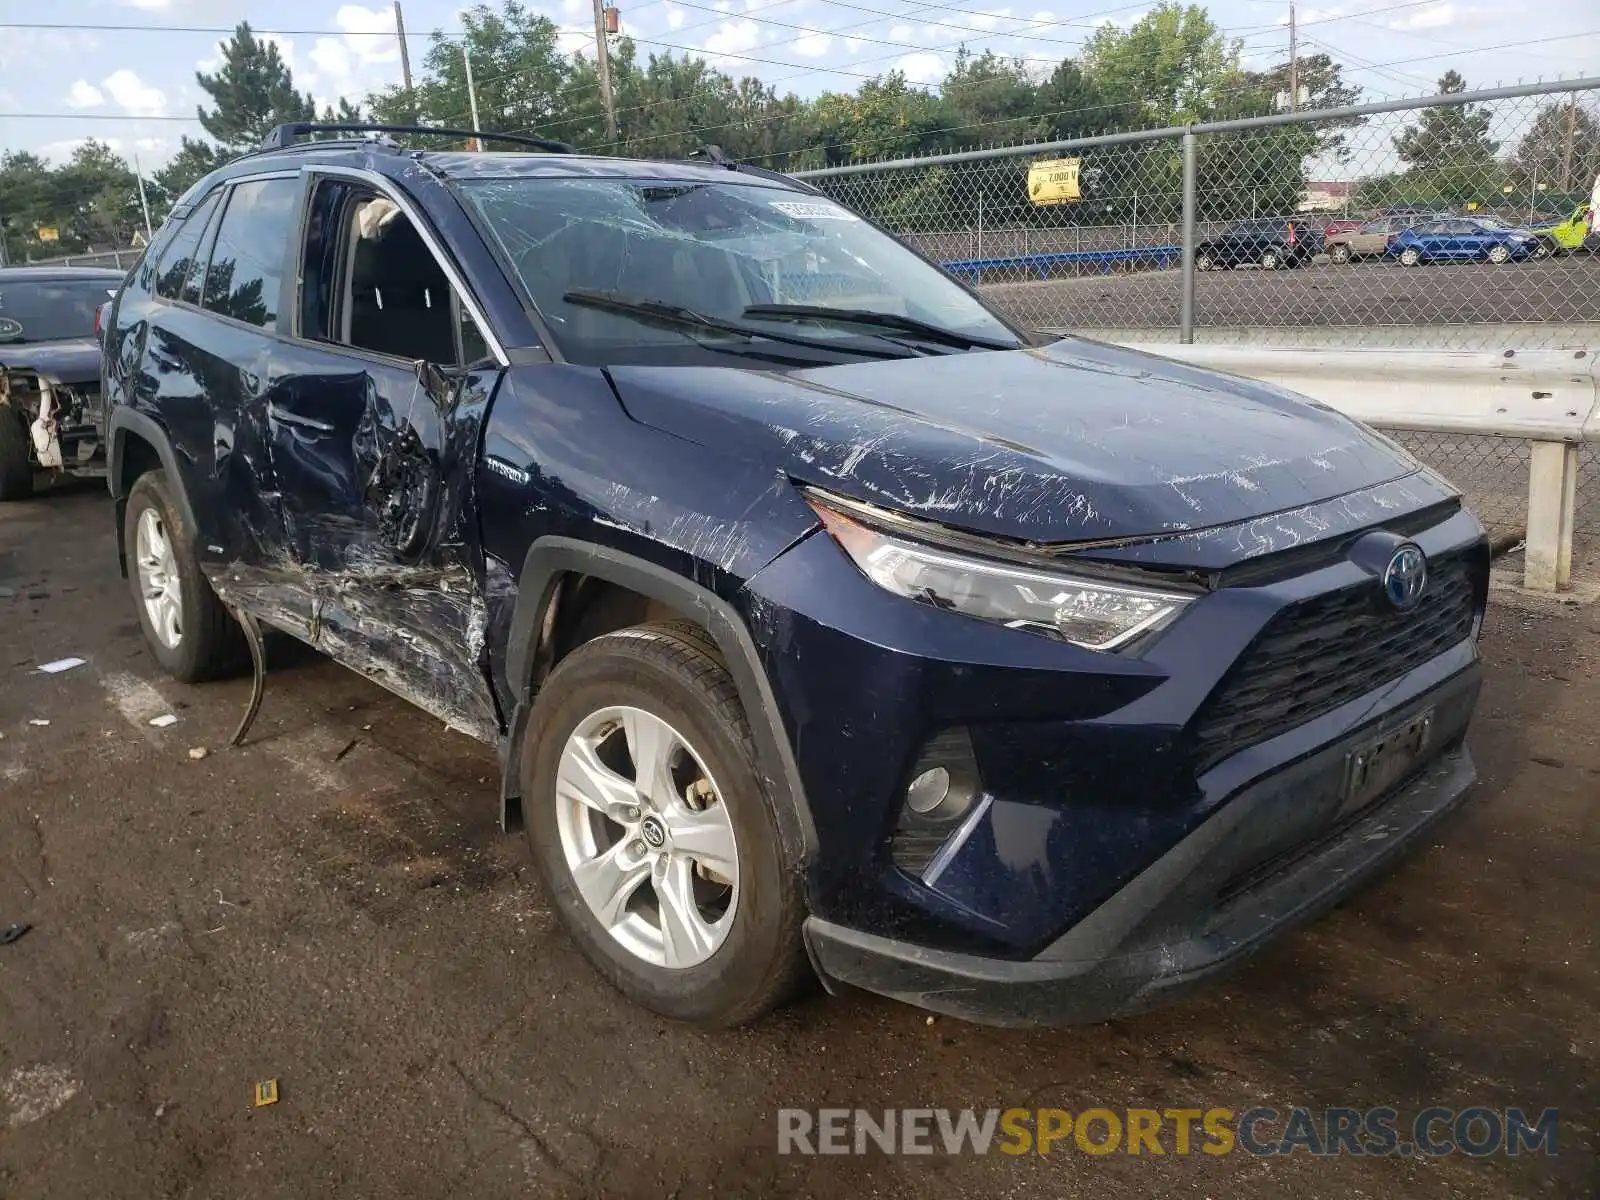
(602, 59)
(144, 205)
(472, 97)
(405, 53)
(1294, 62)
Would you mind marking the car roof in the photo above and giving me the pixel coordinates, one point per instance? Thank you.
(46, 274)
(393, 161)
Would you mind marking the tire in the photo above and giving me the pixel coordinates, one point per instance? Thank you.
(1498, 255)
(1410, 257)
(208, 642)
(1546, 248)
(751, 958)
(1204, 262)
(1271, 260)
(16, 464)
(1340, 254)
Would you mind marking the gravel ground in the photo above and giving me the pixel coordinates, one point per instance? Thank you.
(333, 906)
(1361, 296)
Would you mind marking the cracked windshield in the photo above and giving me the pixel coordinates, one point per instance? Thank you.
(689, 272)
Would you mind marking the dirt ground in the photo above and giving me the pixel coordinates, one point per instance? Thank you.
(334, 907)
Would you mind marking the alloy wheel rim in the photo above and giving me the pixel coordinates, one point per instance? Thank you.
(159, 584)
(647, 838)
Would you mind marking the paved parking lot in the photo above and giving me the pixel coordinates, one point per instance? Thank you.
(1555, 291)
(333, 906)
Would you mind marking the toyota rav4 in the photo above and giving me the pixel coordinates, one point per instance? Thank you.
(824, 621)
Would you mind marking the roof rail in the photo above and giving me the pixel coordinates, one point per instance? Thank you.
(282, 137)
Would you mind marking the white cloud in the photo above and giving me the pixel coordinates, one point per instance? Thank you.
(331, 59)
(922, 67)
(1440, 16)
(149, 4)
(575, 39)
(812, 44)
(675, 17)
(369, 33)
(900, 33)
(133, 94)
(84, 94)
(733, 37)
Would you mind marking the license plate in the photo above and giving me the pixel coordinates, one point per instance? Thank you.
(1374, 767)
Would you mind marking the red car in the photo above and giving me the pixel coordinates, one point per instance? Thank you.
(1343, 225)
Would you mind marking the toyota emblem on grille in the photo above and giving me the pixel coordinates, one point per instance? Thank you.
(1405, 577)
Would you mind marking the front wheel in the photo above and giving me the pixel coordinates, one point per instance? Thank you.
(1204, 262)
(16, 467)
(654, 834)
(1545, 248)
(1410, 256)
(1340, 254)
(190, 633)
(1271, 260)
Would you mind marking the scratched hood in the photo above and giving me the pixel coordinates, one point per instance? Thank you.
(1078, 440)
(76, 361)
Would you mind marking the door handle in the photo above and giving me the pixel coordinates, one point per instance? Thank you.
(274, 413)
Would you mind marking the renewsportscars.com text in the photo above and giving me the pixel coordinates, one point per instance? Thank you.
(1477, 1131)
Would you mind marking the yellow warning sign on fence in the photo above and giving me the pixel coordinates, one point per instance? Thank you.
(1054, 182)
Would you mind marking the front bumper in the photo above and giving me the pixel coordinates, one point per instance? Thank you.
(1202, 907)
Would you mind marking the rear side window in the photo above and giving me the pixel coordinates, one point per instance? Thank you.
(179, 265)
(246, 271)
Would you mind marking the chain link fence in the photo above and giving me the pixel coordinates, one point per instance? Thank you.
(1468, 218)
(1458, 222)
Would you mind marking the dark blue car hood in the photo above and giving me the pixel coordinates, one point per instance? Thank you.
(1076, 441)
(70, 362)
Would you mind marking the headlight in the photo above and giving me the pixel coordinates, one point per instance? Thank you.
(1087, 612)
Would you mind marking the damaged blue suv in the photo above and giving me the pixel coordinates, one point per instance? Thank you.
(825, 623)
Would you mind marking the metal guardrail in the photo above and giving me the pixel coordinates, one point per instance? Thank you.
(1549, 398)
(1152, 258)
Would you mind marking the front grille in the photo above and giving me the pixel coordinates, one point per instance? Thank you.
(1323, 652)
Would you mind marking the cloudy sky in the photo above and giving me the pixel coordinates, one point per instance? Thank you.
(136, 88)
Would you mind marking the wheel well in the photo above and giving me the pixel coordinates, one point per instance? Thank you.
(584, 607)
(138, 457)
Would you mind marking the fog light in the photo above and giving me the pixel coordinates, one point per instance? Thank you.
(928, 791)
(944, 787)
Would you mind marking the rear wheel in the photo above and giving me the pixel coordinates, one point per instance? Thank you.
(1271, 260)
(1203, 261)
(190, 633)
(656, 838)
(16, 467)
(1340, 253)
(1499, 254)
(1545, 248)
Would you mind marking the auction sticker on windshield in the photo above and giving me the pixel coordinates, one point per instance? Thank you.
(9, 328)
(813, 212)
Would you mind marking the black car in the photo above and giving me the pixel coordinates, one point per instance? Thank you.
(1268, 242)
(50, 410)
(823, 622)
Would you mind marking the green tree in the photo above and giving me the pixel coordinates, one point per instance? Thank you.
(253, 90)
(193, 162)
(991, 99)
(1560, 151)
(1070, 105)
(1169, 67)
(1454, 135)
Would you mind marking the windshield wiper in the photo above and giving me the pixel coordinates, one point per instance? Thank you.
(883, 320)
(673, 316)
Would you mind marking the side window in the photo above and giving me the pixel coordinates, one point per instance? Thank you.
(370, 282)
(179, 259)
(246, 270)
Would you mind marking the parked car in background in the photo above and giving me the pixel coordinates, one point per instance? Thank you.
(50, 408)
(822, 619)
(1572, 235)
(1462, 239)
(1268, 242)
(1371, 238)
(1342, 225)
